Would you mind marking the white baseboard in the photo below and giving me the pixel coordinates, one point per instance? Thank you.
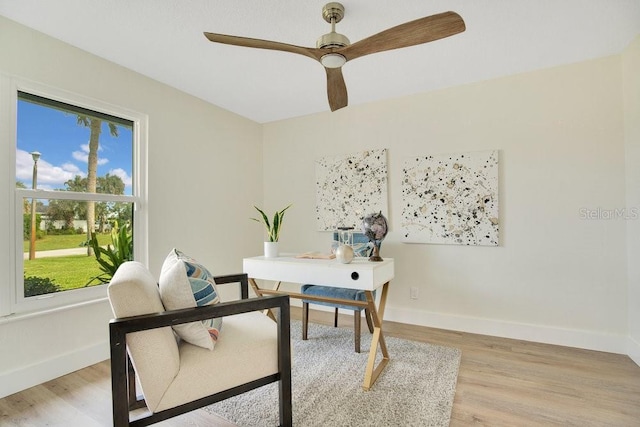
(589, 340)
(29, 376)
(633, 350)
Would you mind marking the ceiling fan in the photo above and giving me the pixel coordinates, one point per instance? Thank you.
(333, 50)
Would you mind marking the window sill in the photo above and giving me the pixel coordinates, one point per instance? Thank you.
(16, 317)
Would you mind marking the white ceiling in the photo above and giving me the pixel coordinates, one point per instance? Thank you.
(163, 40)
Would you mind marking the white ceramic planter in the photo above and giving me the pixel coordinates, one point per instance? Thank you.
(271, 249)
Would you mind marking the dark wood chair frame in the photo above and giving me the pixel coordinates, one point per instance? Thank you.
(123, 378)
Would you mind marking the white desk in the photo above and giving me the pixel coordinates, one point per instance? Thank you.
(360, 274)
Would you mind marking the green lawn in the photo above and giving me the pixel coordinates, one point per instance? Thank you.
(50, 242)
(68, 272)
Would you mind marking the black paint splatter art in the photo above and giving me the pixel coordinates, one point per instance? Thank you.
(451, 199)
(348, 187)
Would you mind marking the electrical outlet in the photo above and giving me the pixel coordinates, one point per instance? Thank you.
(413, 293)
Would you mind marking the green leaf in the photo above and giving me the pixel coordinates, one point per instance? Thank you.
(111, 257)
(273, 229)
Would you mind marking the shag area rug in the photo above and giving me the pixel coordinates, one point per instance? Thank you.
(416, 388)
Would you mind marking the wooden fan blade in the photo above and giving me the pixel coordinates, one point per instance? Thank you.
(264, 44)
(336, 89)
(411, 33)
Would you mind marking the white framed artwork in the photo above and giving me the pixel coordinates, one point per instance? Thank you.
(348, 187)
(451, 199)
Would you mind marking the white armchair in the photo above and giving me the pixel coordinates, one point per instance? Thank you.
(177, 377)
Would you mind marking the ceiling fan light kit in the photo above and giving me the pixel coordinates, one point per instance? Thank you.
(333, 60)
(333, 50)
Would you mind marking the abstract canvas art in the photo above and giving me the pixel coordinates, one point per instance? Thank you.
(348, 187)
(451, 199)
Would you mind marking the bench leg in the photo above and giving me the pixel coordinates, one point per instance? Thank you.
(367, 316)
(305, 320)
(335, 318)
(356, 329)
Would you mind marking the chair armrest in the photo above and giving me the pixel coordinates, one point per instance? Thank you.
(144, 322)
(242, 279)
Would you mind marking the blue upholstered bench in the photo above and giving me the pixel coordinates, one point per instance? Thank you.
(341, 293)
(361, 249)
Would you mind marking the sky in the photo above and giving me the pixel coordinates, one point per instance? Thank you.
(64, 148)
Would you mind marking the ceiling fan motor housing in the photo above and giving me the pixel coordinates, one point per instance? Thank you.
(332, 13)
(332, 40)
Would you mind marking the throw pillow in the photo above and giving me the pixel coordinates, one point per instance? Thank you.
(186, 283)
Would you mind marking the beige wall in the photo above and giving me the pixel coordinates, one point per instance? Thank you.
(562, 141)
(555, 277)
(631, 78)
(205, 168)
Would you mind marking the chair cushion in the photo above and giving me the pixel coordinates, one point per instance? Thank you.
(331, 292)
(186, 283)
(247, 350)
(133, 291)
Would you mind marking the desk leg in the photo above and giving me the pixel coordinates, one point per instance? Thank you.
(372, 372)
(257, 291)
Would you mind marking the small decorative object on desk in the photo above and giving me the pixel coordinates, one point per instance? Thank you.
(374, 226)
(273, 231)
(316, 255)
(344, 252)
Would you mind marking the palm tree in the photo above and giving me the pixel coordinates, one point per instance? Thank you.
(95, 126)
(108, 184)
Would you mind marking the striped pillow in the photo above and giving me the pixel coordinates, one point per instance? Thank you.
(185, 283)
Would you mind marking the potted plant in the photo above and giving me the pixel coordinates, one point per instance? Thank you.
(273, 230)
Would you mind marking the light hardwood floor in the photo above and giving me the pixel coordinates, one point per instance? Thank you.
(502, 382)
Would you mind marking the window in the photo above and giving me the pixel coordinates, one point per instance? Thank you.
(79, 204)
